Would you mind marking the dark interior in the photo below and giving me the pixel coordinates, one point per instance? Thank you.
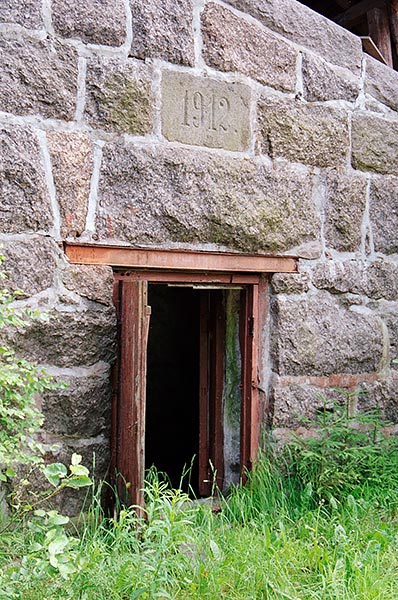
(172, 407)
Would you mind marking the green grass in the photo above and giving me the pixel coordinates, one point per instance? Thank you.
(318, 521)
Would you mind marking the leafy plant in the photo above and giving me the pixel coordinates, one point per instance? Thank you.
(21, 382)
(348, 454)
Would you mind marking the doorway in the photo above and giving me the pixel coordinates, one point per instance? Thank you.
(187, 379)
(172, 391)
(210, 273)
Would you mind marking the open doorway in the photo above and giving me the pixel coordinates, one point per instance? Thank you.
(172, 392)
(187, 379)
(226, 282)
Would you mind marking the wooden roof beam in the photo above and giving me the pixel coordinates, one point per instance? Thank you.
(356, 12)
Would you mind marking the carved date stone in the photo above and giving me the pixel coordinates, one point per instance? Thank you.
(204, 112)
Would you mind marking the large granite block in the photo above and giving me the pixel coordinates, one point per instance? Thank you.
(38, 77)
(152, 195)
(234, 44)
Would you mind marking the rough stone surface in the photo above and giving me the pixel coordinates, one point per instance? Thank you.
(344, 210)
(72, 163)
(119, 96)
(384, 395)
(384, 213)
(299, 404)
(315, 336)
(307, 28)
(163, 29)
(153, 196)
(388, 311)
(30, 264)
(234, 44)
(38, 77)
(25, 13)
(24, 200)
(374, 144)
(93, 21)
(74, 336)
(378, 279)
(322, 82)
(290, 283)
(86, 403)
(205, 112)
(312, 134)
(381, 82)
(90, 281)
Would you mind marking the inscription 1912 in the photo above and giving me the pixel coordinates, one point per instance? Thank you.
(208, 111)
(205, 112)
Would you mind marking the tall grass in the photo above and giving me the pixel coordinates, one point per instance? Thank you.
(294, 531)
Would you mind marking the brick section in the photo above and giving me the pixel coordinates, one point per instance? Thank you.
(119, 96)
(344, 209)
(38, 77)
(26, 13)
(374, 144)
(24, 202)
(163, 29)
(72, 162)
(381, 82)
(93, 21)
(234, 44)
(314, 335)
(307, 28)
(311, 134)
(195, 197)
(384, 213)
(323, 82)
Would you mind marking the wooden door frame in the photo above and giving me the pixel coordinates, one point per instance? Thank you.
(133, 270)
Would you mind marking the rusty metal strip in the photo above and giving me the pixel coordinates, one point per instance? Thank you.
(178, 260)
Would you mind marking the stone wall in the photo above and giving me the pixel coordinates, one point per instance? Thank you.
(248, 125)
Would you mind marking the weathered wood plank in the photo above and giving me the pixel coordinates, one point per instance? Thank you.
(379, 31)
(178, 260)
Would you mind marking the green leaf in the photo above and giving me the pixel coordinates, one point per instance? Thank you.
(66, 568)
(54, 473)
(58, 520)
(77, 481)
(57, 546)
(79, 470)
(40, 513)
(76, 459)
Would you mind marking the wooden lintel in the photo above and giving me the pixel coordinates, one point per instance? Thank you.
(178, 260)
(356, 12)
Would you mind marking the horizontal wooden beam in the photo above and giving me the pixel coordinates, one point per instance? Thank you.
(178, 260)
